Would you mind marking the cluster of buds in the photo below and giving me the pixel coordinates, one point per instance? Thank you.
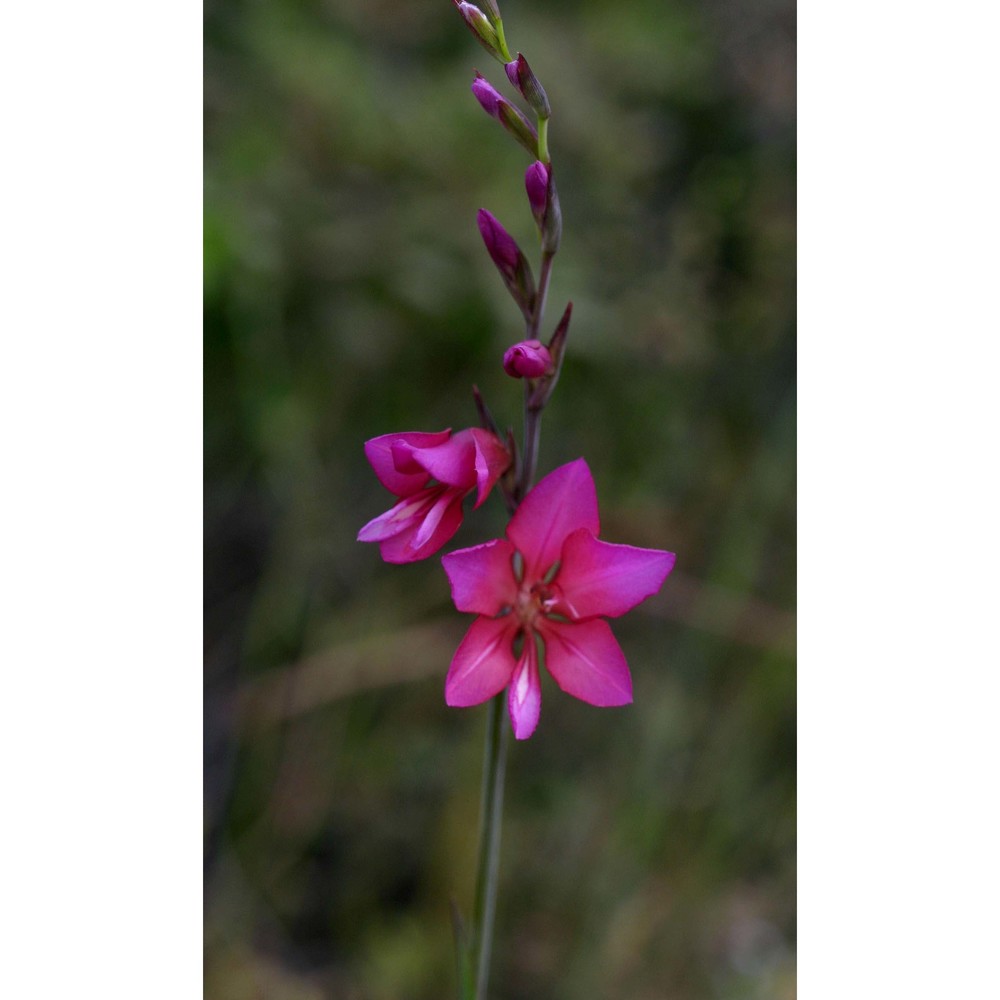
(528, 359)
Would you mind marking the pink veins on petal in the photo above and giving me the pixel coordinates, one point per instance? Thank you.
(552, 599)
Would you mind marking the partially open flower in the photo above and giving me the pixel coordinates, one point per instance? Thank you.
(431, 473)
(528, 359)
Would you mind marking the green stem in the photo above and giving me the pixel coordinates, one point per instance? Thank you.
(501, 41)
(491, 814)
(543, 141)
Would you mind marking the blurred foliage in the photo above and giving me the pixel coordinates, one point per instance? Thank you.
(648, 852)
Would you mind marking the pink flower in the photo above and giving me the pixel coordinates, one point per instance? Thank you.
(528, 359)
(431, 474)
(543, 591)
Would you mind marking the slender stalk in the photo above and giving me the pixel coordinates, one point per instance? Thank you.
(543, 140)
(491, 814)
(495, 756)
(532, 433)
(534, 324)
(502, 41)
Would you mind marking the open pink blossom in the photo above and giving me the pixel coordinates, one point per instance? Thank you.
(431, 473)
(540, 594)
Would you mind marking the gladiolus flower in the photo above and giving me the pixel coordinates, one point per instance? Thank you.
(431, 473)
(541, 594)
(528, 359)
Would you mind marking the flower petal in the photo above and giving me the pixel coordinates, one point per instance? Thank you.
(562, 502)
(408, 479)
(492, 461)
(453, 462)
(598, 578)
(392, 522)
(482, 577)
(524, 695)
(587, 662)
(483, 663)
(413, 544)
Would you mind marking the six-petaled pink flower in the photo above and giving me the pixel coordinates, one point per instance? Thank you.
(432, 474)
(543, 592)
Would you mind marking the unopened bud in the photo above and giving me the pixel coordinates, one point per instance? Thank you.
(536, 183)
(528, 359)
(497, 106)
(501, 245)
(527, 85)
(510, 261)
(544, 202)
(480, 25)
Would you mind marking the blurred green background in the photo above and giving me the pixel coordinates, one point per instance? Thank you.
(648, 852)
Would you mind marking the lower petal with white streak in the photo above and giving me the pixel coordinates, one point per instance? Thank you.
(483, 663)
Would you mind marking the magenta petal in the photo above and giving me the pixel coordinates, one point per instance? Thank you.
(482, 578)
(414, 544)
(524, 695)
(492, 461)
(405, 514)
(598, 578)
(453, 462)
(587, 662)
(379, 452)
(564, 501)
(483, 663)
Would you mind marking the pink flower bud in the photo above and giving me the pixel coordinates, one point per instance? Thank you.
(488, 96)
(536, 183)
(497, 106)
(510, 261)
(480, 25)
(527, 85)
(501, 245)
(528, 359)
(544, 204)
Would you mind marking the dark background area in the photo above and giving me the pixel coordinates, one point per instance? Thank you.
(648, 852)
